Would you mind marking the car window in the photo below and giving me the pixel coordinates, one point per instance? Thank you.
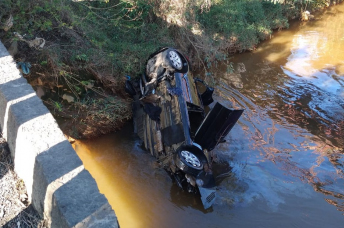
(190, 91)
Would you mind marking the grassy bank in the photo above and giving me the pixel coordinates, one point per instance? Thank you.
(89, 46)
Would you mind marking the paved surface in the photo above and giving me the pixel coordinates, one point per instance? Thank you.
(58, 186)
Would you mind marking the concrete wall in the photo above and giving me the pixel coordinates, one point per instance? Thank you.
(58, 186)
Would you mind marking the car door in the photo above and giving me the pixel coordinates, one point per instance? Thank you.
(216, 125)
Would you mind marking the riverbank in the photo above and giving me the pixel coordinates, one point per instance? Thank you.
(79, 51)
(14, 208)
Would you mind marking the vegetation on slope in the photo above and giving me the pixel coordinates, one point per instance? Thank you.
(91, 45)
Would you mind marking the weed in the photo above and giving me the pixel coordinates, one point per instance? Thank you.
(58, 106)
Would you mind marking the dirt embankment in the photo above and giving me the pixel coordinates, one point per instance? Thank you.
(86, 101)
(15, 211)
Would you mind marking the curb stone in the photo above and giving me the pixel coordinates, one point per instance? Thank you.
(58, 186)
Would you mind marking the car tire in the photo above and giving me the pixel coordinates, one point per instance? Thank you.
(190, 159)
(174, 59)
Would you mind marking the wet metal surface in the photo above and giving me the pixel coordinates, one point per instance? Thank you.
(286, 150)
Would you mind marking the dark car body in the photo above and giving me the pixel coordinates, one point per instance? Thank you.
(169, 116)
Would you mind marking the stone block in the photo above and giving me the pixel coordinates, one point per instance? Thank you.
(58, 186)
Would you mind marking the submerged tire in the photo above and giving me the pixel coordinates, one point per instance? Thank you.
(190, 159)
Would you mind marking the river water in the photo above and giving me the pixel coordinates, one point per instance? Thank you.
(286, 151)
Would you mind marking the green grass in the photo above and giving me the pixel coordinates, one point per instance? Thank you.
(248, 21)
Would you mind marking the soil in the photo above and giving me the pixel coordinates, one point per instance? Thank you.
(15, 210)
(87, 100)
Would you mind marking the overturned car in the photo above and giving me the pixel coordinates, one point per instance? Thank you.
(170, 118)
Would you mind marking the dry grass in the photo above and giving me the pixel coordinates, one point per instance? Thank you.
(15, 210)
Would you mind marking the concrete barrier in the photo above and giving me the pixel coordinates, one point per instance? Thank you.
(58, 186)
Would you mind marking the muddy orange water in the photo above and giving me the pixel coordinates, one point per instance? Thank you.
(286, 152)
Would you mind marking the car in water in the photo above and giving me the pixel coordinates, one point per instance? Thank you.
(172, 117)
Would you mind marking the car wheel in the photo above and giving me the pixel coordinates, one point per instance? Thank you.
(190, 159)
(175, 60)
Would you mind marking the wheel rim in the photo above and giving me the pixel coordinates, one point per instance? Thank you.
(191, 159)
(175, 60)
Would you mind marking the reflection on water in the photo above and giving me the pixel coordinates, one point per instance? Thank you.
(286, 152)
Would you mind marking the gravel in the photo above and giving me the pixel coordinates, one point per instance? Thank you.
(15, 210)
